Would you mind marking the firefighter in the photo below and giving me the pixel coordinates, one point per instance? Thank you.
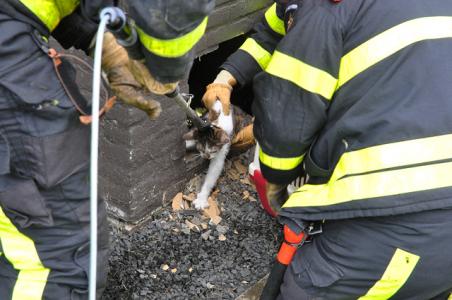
(358, 94)
(44, 149)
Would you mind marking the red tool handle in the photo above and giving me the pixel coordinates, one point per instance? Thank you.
(285, 255)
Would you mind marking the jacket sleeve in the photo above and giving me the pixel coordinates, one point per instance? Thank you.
(293, 94)
(255, 53)
(168, 31)
(76, 31)
(79, 28)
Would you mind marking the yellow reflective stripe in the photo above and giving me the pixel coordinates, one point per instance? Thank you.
(277, 163)
(21, 252)
(394, 155)
(391, 41)
(260, 55)
(50, 12)
(173, 48)
(303, 75)
(450, 297)
(396, 274)
(275, 23)
(381, 184)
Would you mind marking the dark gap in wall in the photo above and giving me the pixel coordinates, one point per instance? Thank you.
(206, 68)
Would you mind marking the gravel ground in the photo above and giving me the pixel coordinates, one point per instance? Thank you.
(165, 259)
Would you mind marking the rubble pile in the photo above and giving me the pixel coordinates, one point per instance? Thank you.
(182, 253)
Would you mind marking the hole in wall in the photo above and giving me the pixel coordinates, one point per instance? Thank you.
(205, 69)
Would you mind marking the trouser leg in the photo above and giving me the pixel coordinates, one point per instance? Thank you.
(59, 251)
(290, 289)
(399, 257)
(65, 250)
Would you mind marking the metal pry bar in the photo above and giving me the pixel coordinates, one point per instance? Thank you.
(198, 122)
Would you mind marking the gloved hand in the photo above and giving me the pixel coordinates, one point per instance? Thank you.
(277, 195)
(244, 139)
(220, 89)
(130, 80)
(144, 77)
(124, 85)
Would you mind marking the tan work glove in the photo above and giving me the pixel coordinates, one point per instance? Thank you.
(220, 89)
(277, 195)
(130, 80)
(244, 139)
(142, 75)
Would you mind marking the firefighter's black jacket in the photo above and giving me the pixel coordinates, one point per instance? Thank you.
(168, 29)
(360, 92)
(254, 55)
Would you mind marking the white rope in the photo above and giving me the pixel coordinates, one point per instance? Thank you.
(105, 18)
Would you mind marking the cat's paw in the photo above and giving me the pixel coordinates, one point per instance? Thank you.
(201, 203)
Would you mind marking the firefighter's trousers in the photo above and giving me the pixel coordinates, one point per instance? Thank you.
(44, 184)
(406, 257)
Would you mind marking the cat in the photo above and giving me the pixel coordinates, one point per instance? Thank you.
(215, 145)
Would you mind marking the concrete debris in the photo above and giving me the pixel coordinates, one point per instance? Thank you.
(213, 210)
(205, 236)
(196, 221)
(190, 198)
(185, 229)
(209, 285)
(222, 229)
(192, 226)
(215, 220)
(178, 203)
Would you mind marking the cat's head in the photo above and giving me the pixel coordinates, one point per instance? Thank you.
(208, 142)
